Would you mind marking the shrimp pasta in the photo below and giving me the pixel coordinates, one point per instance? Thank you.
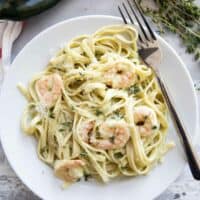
(96, 110)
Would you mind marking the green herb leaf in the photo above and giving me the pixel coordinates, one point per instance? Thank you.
(124, 167)
(98, 112)
(119, 155)
(67, 124)
(81, 73)
(98, 135)
(117, 115)
(84, 155)
(61, 130)
(73, 109)
(178, 16)
(112, 139)
(134, 89)
(154, 127)
(87, 176)
(52, 115)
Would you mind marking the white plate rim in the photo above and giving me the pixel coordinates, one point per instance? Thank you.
(111, 17)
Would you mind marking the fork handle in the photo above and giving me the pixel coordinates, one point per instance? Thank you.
(191, 154)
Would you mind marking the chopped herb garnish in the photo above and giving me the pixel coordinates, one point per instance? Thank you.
(154, 127)
(55, 139)
(118, 155)
(72, 107)
(67, 124)
(61, 129)
(98, 112)
(98, 135)
(51, 109)
(87, 176)
(81, 73)
(51, 115)
(197, 85)
(78, 180)
(112, 139)
(117, 115)
(43, 150)
(82, 154)
(124, 167)
(138, 77)
(70, 149)
(134, 89)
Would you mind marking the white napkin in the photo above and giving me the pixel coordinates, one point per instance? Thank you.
(9, 32)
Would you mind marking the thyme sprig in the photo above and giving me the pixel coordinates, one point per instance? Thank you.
(179, 16)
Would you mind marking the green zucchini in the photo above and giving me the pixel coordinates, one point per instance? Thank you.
(23, 9)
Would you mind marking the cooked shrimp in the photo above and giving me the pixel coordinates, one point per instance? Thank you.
(114, 135)
(120, 75)
(69, 170)
(146, 120)
(85, 130)
(48, 89)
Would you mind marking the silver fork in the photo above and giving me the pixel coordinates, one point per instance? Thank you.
(150, 53)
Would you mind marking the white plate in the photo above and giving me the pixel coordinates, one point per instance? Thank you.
(21, 149)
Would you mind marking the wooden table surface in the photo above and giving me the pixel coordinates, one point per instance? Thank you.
(11, 188)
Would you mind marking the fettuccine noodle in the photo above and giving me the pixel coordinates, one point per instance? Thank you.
(96, 110)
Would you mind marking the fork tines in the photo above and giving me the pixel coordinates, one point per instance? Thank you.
(130, 11)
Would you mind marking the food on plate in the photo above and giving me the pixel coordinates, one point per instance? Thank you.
(96, 110)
